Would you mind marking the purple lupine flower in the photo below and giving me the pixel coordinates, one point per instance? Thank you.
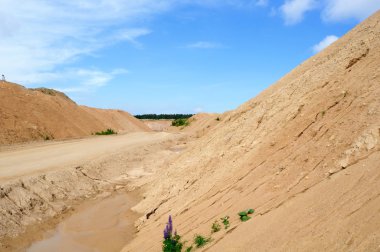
(170, 224)
(168, 229)
(166, 233)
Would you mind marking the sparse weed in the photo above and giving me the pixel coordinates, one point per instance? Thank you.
(189, 249)
(218, 119)
(215, 227)
(226, 221)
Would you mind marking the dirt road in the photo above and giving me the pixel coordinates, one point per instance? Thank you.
(33, 158)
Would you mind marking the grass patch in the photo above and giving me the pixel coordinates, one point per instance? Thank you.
(106, 132)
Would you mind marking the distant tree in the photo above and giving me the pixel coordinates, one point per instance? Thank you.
(164, 116)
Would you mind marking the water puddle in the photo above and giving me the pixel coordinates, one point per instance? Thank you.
(102, 225)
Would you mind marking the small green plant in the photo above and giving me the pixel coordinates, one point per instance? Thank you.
(180, 122)
(244, 214)
(172, 242)
(226, 221)
(188, 249)
(106, 132)
(200, 241)
(215, 227)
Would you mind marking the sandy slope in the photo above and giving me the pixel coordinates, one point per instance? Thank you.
(28, 114)
(305, 154)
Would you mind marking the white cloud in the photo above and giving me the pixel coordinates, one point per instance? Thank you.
(328, 40)
(339, 10)
(38, 36)
(85, 79)
(293, 10)
(204, 45)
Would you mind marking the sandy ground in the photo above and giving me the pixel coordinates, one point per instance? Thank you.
(27, 160)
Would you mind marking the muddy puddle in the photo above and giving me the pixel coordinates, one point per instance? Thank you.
(102, 225)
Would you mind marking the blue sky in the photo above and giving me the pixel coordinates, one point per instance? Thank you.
(166, 56)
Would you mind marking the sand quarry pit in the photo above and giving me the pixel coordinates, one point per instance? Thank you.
(304, 155)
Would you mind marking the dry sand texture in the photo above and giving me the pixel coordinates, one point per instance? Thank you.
(28, 114)
(304, 154)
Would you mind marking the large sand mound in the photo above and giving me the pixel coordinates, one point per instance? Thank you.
(33, 114)
(305, 154)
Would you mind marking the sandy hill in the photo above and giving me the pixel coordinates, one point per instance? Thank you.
(305, 154)
(32, 114)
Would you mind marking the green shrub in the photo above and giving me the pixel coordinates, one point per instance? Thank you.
(244, 214)
(200, 241)
(172, 245)
(180, 122)
(106, 132)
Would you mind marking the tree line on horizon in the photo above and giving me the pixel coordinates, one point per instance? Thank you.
(164, 116)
